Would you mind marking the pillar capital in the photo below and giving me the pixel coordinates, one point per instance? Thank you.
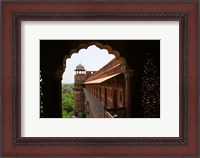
(59, 73)
(128, 73)
(52, 72)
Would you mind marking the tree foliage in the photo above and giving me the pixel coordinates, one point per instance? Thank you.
(67, 100)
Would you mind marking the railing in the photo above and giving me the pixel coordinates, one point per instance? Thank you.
(108, 115)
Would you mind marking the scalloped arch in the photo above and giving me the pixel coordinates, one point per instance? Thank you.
(99, 45)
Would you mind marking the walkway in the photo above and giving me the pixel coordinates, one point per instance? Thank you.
(95, 105)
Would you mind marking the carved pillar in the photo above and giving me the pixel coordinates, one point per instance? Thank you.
(52, 93)
(128, 91)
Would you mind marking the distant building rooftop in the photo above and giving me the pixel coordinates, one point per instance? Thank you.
(100, 80)
(80, 67)
(110, 70)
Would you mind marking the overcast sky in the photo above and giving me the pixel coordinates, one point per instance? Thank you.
(92, 58)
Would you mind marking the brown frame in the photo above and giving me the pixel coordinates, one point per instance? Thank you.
(188, 142)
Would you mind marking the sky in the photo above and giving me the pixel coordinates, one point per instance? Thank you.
(92, 58)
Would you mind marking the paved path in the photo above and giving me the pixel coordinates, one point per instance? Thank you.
(95, 105)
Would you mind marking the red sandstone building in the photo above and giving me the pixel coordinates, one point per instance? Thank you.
(101, 94)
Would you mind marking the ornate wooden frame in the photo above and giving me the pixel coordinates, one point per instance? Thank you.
(185, 12)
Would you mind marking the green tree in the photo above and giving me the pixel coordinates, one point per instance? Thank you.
(67, 100)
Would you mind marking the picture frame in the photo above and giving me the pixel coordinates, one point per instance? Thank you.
(187, 144)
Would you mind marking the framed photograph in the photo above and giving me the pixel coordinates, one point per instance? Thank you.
(100, 79)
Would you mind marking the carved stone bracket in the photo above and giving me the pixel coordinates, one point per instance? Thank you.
(128, 72)
(52, 71)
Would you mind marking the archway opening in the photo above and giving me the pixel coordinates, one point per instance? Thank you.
(92, 59)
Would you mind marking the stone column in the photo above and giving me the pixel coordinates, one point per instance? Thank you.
(128, 91)
(52, 93)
